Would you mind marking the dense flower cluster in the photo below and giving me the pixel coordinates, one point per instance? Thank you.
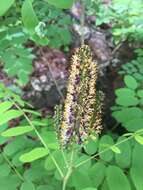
(82, 112)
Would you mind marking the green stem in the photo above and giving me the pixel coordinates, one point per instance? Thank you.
(66, 178)
(103, 151)
(69, 172)
(40, 138)
(64, 157)
(12, 166)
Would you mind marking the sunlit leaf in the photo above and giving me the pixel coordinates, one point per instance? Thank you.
(17, 131)
(5, 5)
(34, 154)
(139, 139)
(115, 149)
(9, 115)
(4, 106)
(29, 17)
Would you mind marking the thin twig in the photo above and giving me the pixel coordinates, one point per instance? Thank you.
(82, 22)
(40, 138)
(105, 150)
(53, 78)
(69, 172)
(12, 166)
(64, 157)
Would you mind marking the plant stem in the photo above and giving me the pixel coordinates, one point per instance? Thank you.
(69, 172)
(64, 157)
(12, 166)
(82, 21)
(40, 138)
(105, 150)
(66, 178)
(53, 78)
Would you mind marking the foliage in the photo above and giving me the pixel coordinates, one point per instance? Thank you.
(134, 67)
(30, 155)
(128, 110)
(125, 16)
(46, 25)
(56, 23)
(116, 158)
(103, 15)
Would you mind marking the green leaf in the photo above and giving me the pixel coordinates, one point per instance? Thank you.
(61, 3)
(9, 183)
(124, 159)
(32, 23)
(4, 106)
(127, 114)
(130, 82)
(127, 101)
(136, 175)
(1, 159)
(27, 186)
(139, 139)
(115, 149)
(141, 101)
(140, 93)
(91, 147)
(116, 179)
(134, 124)
(137, 155)
(34, 155)
(4, 170)
(90, 188)
(85, 167)
(17, 131)
(18, 100)
(105, 142)
(15, 158)
(15, 146)
(29, 17)
(44, 187)
(2, 128)
(124, 92)
(39, 123)
(40, 41)
(50, 138)
(97, 173)
(9, 115)
(5, 5)
(105, 185)
(32, 112)
(60, 161)
(80, 180)
(32, 174)
(49, 165)
(136, 171)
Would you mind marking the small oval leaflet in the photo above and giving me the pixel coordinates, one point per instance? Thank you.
(34, 154)
(17, 131)
(115, 149)
(116, 179)
(130, 82)
(4, 106)
(9, 115)
(139, 139)
(4, 6)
